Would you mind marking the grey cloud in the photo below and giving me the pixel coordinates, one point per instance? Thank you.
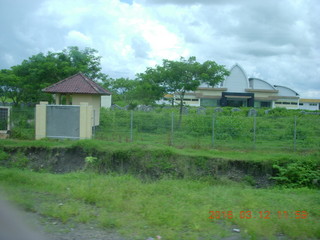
(277, 40)
(259, 49)
(24, 32)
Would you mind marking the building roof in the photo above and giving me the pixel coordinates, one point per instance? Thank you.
(257, 83)
(283, 91)
(308, 100)
(76, 84)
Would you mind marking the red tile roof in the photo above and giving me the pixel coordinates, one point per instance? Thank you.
(77, 83)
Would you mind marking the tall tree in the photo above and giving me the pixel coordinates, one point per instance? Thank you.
(186, 75)
(122, 89)
(148, 89)
(42, 70)
(10, 86)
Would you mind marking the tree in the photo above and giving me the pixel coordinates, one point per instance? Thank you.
(122, 89)
(148, 90)
(10, 87)
(72, 60)
(180, 77)
(42, 70)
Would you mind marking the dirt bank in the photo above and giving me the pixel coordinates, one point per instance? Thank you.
(144, 164)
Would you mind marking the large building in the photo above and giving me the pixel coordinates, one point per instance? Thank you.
(237, 90)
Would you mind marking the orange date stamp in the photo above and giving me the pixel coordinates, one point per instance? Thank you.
(258, 214)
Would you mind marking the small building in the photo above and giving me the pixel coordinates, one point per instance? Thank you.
(79, 88)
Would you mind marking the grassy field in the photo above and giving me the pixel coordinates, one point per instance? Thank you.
(101, 146)
(279, 129)
(171, 208)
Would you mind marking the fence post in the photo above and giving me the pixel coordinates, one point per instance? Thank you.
(41, 119)
(131, 126)
(212, 139)
(172, 121)
(254, 131)
(295, 134)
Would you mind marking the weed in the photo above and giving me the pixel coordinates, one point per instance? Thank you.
(3, 155)
(172, 208)
(91, 162)
(302, 173)
(19, 160)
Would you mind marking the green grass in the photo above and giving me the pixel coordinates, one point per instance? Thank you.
(171, 208)
(231, 130)
(95, 146)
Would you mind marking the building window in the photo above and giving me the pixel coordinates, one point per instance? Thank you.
(287, 103)
(188, 99)
(266, 104)
(313, 104)
(207, 102)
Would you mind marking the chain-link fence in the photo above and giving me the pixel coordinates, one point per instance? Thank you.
(213, 130)
(298, 131)
(22, 122)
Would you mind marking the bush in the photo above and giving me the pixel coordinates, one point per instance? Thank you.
(3, 155)
(302, 173)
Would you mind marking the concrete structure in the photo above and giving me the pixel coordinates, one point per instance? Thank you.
(78, 88)
(106, 101)
(85, 116)
(237, 90)
(309, 104)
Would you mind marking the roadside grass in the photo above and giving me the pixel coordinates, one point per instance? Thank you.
(94, 146)
(171, 208)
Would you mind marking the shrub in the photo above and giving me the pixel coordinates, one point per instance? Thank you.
(301, 173)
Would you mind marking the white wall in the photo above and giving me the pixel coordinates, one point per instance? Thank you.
(309, 106)
(106, 101)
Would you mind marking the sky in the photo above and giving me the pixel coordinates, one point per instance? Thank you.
(277, 41)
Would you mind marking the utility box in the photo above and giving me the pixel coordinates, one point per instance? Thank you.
(64, 121)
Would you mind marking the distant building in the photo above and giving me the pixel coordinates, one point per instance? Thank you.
(79, 88)
(309, 104)
(237, 90)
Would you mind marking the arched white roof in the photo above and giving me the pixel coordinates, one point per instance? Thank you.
(237, 81)
(257, 83)
(285, 91)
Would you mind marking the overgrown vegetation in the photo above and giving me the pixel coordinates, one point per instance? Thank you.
(167, 191)
(148, 161)
(171, 208)
(301, 173)
(22, 123)
(279, 129)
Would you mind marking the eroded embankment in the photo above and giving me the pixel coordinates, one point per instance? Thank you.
(144, 163)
